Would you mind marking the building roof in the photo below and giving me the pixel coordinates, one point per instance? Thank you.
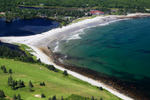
(92, 12)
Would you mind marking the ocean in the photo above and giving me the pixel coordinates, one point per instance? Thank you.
(120, 49)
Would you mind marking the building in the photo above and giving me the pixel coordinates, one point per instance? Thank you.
(97, 13)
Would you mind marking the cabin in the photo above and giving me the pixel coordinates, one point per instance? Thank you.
(97, 13)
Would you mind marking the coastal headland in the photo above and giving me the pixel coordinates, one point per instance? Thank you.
(40, 42)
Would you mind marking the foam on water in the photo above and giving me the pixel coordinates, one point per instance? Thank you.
(76, 36)
(60, 60)
(56, 49)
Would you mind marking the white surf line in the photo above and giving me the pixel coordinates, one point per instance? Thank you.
(45, 59)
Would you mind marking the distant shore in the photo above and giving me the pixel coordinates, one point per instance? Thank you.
(39, 44)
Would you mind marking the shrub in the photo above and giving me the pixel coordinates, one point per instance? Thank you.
(10, 71)
(2, 95)
(65, 73)
(42, 95)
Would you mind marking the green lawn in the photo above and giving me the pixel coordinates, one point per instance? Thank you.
(56, 83)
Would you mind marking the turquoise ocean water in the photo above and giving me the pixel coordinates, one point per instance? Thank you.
(120, 49)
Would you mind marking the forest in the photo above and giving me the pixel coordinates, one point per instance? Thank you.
(59, 9)
(78, 3)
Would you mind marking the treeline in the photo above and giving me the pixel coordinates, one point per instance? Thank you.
(9, 53)
(60, 10)
(25, 13)
(6, 52)
(58, 14)
(77, 3)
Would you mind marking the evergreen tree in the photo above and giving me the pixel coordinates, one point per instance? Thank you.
(10, 71)
(30, 89)
(19, 84)
(11, 79)
(22, 84)
(54, 97)
(30, 84)
(14, 98)
(42, 95)
(65, 73)
(101, 88)
(19, 97)
(43, 84)
(101, 99)
(8, 82)
(13, 85)
(16, 83)
(52, 67)
(49, 98)
(2, 94)
(4, 70)
(92, 98)
(2, 67)
(62, 98)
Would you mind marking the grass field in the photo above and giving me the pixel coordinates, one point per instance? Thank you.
(56, 83)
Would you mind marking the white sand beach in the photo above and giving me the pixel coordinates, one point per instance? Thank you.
(43, 39)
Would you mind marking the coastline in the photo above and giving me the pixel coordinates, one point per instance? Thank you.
(39, 43)
(43, 53)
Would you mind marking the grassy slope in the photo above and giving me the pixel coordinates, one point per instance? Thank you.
(56, 83)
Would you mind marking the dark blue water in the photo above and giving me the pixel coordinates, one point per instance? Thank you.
(21, 27)
(31, 7)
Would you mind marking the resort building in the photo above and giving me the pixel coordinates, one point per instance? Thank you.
(97, 13)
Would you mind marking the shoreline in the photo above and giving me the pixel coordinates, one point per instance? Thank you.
(42, 40)
(45, 53)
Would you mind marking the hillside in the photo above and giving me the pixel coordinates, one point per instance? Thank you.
(56, 83)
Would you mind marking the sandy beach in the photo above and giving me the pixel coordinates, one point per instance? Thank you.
(42, 40)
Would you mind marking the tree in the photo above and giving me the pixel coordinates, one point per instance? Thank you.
(42, 95)
(19, 97)
(14, 98)
(62, 98)
(43, 84)
(101, 99)
(10, 71)
(8, 82)
(19, 84)
(30, 84)
(2, 95)
(4, 70)
(101, 88)
(92, 98)
(16, 83)
(13, 85)
(65, 73)
(54, 97)
(2, 67)
(49, 98)
(30, 89)
(22, 84)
